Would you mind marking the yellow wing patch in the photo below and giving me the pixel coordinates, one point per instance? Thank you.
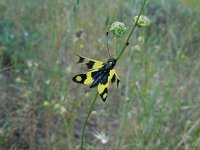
(78, 78)
(89, 78)
(104, 95)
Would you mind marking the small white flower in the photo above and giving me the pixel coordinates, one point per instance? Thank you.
(93, 113)
(36, 64)
(29, 63)
(127, 98)
(87, 94)
(26, 34)
(19, 80)
(101, 136)
(12, 36)
(62, 98)
(48, 82)
(62, 110)
(57, 62)
(137, 84)
(137, 48)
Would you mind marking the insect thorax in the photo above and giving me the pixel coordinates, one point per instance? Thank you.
(110, 64)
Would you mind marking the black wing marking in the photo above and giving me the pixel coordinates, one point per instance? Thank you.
(97, 78)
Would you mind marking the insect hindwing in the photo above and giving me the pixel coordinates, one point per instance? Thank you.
(113, 79)
(103, 86)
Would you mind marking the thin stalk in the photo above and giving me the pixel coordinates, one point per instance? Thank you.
(6, 68)
(86, 120)
(116, 53)
(126, 105)
(132, 29)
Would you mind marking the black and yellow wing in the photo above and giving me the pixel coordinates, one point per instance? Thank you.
(115, 78)
(104, 84)
(90, 63)
(86, 78)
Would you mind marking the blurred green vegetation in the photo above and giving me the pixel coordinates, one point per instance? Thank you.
(158, 104)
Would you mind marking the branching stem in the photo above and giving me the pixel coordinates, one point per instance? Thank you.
(132, 29)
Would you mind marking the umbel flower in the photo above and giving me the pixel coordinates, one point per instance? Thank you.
(143, 21)
(118, 28)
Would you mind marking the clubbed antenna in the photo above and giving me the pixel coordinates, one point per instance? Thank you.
(107, 45)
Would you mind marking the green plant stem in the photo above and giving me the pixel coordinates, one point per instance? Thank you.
(124, 120)
(126, 104)
(116, 53)
(132, 29)
(83, 131)
(6, 68)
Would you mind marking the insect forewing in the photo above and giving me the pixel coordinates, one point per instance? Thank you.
(90, 63)
(85, 78)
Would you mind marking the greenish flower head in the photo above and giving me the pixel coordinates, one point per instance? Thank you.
(140, 40)
(46, 103)
(143, 21)
(118, 28)
(57, 106)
